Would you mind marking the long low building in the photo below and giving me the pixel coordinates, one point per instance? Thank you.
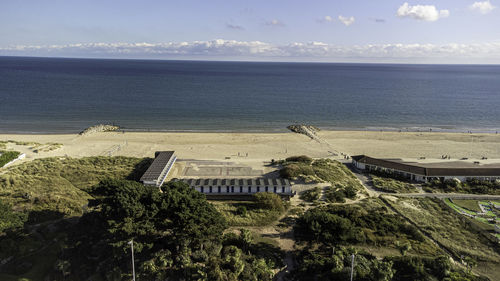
(428, 170)
(240, 186)
(159, 169)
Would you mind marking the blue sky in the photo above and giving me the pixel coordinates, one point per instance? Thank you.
(464, 31)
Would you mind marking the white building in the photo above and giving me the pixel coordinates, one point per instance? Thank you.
(159, 169)
(240, 186)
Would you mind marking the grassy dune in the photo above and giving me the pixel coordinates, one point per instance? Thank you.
(60, 184)
(452, 231)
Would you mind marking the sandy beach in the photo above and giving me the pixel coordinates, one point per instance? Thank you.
(252, 147)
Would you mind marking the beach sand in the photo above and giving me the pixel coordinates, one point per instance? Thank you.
(254, 147)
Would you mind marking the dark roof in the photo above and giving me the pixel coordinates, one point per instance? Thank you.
(154, 171)
(232, 182)
(449, 168)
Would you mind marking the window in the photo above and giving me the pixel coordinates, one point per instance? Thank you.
(258, 188)
(282, 189)
(241, 189)
(275, 189)
(218, 189)
(267, 189)
(249, 189)
(232, 189)
(202, 189)
(210, 190)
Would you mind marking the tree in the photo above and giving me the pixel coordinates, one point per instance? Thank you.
(165, 227)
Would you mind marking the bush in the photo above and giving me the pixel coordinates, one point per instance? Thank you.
(10, 219)
(269, 201)
(301, 159)
(242, 211)
(338, 193)
(311, 195)
(295, 170)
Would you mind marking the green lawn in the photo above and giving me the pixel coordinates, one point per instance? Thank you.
(7, 156)
(472, 205)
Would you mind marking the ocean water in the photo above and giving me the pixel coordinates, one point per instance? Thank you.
(52, 95)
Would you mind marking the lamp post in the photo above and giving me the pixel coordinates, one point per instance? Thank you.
(131, 243)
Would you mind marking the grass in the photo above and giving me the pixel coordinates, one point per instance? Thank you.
(254, 215)
(472, 205)
(392, 185)
(322, 170)
(60, 184)
(458, 208)
(451, 230)
(7, 156)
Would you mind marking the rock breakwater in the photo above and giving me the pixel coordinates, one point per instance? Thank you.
(307, 130)
(99, 128)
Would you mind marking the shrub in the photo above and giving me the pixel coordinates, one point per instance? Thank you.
(269, 201)
(311, 195)
(295, 170)
(242, 211)
(10, 219)
(301, 159)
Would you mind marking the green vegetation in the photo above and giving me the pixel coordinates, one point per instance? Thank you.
(10, 219)
(59, 186)
(334, 233)
(311, 195)
(392, 185)
(472, 205)
(321, 170)
(263, 210)
(338, 194)
(300, 159)
(7, 156)
(475, 186)
(177, 234)
(367, 223)
(453, 231)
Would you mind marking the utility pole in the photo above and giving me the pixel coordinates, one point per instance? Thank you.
(352, 267)
(131, 243)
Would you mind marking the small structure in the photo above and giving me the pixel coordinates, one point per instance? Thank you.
(159, 169)
(429, 170)
(240, 186)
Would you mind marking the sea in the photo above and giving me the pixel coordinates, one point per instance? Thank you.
(64, 95)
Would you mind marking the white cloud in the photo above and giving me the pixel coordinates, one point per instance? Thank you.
(483, 7)
(325, 19)
(256, 50)
(346, 20)
(275, 22)
(421, 12)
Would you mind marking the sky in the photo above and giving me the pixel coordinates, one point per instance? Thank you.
(420, 31)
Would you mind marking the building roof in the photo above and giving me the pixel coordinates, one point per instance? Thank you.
(235, 182)
(159, 163)
(434, 168)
